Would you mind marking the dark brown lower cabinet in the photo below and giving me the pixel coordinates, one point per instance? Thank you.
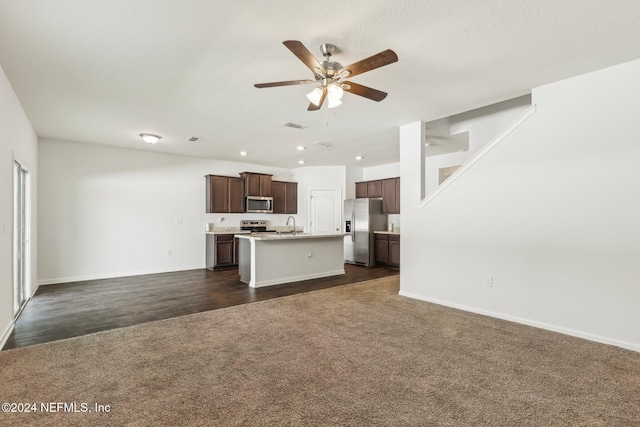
(382, 248)
(221, 251)
(387, 247)
(224, 249)
(394, 250)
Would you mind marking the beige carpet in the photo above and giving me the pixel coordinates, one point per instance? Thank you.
(355, 355)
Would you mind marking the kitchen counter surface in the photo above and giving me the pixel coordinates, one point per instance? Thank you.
(228, 230)
(291, 236)
(395, 232)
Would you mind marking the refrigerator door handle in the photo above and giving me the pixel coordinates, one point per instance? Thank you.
(353, 226)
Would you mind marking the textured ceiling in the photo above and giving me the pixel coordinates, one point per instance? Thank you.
(102, 71)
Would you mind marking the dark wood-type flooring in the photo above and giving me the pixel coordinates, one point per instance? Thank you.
(79, 308)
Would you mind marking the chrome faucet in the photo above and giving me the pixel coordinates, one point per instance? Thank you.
(294, 223)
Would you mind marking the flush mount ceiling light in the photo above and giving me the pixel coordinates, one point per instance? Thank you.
(243, 153)
(150, 138)
(332, 76)
(301, 147)
(359, 157)
(301, 162)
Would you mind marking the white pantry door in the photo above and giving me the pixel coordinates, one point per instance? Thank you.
(326, 211)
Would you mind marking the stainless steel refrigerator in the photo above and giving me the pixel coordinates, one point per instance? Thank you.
(362, 217)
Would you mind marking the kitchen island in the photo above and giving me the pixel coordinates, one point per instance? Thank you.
(267, 259)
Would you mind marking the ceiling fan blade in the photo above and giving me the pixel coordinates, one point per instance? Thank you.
(364, 91)
(314, 107)
(287, 83)
(371, 63)
(304, 55)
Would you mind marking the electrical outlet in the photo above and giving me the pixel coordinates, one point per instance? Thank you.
(309, 255)
(488, 281)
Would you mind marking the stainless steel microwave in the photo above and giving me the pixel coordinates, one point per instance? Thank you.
(257, 204)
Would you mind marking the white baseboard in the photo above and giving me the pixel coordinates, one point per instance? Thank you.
(528, 322)
(6, 334)
(297, 278)
(54, 281)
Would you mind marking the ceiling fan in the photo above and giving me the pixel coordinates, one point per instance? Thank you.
(332, 75)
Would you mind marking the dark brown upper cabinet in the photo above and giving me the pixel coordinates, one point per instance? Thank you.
(361, 190)
(285, 197)
(224, 194)
(388, 189)
(391, 196)
(374, 188)
(257, 184)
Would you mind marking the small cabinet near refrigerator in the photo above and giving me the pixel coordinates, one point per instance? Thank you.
(362, 217)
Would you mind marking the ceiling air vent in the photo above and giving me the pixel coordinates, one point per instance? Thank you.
(324, 144)
(194, 139)
(294, 125)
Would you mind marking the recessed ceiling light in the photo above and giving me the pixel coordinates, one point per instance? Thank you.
(301, 162)
(243, 153)
(427, 144)
(359, 157)
(301, 147)
(150, 138)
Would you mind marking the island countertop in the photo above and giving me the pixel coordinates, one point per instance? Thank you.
(290, 236)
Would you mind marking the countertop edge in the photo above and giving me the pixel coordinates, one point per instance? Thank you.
(287, 236)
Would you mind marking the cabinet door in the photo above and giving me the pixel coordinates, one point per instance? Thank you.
(265, 185)
(389, 196)
(217, 194)
(381, 248)
(374, 188)
(224, 249)
(361, 190)
(252, 184)
(236, 195)
(291, 198)
(394, 251)
(397, 196)
(279, 193)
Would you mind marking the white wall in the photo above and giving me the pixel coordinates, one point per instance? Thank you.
(17, 141)
(551, 213)
(353, 174)
(482, 124)
(108, 212)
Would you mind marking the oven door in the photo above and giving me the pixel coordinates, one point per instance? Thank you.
(256, 204)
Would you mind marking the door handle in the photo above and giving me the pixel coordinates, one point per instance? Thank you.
(353, 226)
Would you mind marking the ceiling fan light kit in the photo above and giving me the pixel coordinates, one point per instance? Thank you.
(330, 75)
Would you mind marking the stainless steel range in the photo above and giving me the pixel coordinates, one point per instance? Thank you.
(255, 226)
